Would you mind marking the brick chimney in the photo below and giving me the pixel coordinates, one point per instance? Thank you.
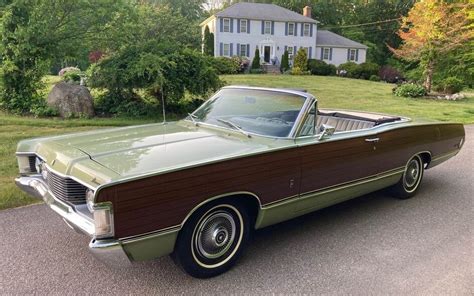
(307, 11)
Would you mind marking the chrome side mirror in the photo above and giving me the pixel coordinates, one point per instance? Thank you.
(326, 131)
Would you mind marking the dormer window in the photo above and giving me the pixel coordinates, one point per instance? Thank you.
(291, 29)
(226, 26)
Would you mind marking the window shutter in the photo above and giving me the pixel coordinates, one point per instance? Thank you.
(311, 30)
(295, 32)
(310, 52)
(221, 25)
(248, 50)
(231, 46)
(221, 49)
(322, 53)
(357, 55)
(248, 27)
(273, 27)
(348, 54)
(263, 27)
(237, 49)
(286, 29)
(302, 29)
(286, 48)
(330, 54)
(238, 25)
(231, 25)
(294, 50)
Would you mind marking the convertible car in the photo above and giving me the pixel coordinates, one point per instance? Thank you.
(247, 158)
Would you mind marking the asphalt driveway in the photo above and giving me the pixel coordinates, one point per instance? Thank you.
(373, 245)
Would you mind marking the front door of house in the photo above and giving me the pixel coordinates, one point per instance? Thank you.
(266, 53)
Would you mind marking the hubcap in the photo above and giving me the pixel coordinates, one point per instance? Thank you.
(412, 173)
(215, 235)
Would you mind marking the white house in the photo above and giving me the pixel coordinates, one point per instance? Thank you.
(243, 27)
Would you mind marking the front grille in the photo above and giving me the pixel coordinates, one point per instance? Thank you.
(66, 188)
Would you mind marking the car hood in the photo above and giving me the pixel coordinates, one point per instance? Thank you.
(147, 149)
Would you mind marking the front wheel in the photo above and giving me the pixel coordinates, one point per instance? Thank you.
(411, 179)
(213, 239)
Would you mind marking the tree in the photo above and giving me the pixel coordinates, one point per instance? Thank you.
(431, 30)
(256, 59)
(208, 42)
(301, 60)
(285, 65)
(32, 36)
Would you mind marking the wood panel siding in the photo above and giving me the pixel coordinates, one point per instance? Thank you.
(162, 201)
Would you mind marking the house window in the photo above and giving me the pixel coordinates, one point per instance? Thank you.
(326, 53)
(352, 55)
(243, 26)
(291, 29)
(243, 50)
(290, 52)
(268, 27)
(226, 25)
(226, 49)
(306, 49)
(306, 29)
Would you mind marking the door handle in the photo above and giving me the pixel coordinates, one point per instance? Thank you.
(372, 140)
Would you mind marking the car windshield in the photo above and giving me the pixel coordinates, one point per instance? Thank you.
(263, 112)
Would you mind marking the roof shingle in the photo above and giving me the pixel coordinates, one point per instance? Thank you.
(261, 11)
(328, 38)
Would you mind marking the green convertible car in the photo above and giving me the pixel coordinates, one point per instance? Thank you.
(247, 158)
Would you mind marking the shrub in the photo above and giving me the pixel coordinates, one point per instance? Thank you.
(365, 70)
(256, 59)
(410, 90)
(318, 67)
(43, 110)
(63, 71)
(257, 71)
(348, 67)
(298, 71)
(374, 78)
(450, 85)
(225, 65)
(285, 65)
(301, 61)
(390, 74)
(73, 76)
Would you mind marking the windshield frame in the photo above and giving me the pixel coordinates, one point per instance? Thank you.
(309, 99)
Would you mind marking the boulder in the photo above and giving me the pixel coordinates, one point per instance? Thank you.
(71, 100)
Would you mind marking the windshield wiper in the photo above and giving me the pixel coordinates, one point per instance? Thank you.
(235, 126)
(193, 118)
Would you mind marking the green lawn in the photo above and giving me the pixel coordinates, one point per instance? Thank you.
(344, 93)
(332, 92)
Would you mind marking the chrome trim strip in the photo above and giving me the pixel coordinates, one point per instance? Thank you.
(340, 186)
(446, 155)
(145, 235)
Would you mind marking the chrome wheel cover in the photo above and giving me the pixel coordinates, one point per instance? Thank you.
(217, 236)
(413, 174)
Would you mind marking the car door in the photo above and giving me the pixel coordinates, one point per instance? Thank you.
(334, 163)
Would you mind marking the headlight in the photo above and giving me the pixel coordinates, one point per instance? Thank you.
(26, 164)
(90, 200)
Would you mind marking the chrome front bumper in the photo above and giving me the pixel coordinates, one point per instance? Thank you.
(109, 251)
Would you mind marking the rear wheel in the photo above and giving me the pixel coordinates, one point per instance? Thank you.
(411, 179)
(213, 239)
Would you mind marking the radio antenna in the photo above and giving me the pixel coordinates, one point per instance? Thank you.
(163, 104)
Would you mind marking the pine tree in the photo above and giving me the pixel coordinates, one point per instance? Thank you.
(208, 42)
(256, 60)
(285, 65)
(301, 60)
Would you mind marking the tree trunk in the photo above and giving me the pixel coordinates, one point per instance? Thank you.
(429, 76)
